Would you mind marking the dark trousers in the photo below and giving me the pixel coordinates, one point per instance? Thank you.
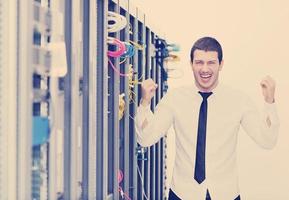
(173, 196)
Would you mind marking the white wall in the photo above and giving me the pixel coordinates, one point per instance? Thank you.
(255, 39)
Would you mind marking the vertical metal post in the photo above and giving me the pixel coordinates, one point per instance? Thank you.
(75, 99)
(122, 89)
(153, 105)
(114, 83)
(159, 175)
(91, 39)
(67, 100)
(133, 144)
(149, 163)
(126, 135)
(163, 140)
(85, 92)
(101, 102)
(24, 93)
(144, 72)
(141, 69)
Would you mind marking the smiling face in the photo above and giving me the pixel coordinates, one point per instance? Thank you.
(206, 68)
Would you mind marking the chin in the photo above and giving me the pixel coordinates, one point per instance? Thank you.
(206, 88)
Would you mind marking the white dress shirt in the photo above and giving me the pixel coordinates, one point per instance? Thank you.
(227, 110)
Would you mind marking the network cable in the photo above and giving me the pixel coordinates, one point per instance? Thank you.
(121, 47)
(131, 80)
(116, 70)
(130, 29)
(119, 22)
(117, 53)
(137, 45)
(121, 106)
(143, 190)
(132, 83)
(122, 193)
(130, 50)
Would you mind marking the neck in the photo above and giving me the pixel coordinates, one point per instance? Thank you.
(201, 89)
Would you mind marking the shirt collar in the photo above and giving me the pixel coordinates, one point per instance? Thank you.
(215, 91)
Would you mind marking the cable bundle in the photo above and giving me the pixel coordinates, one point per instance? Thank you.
(121, 47)
(115, 54)
(130, 50)
(119, 22)
(121, 106)
(131, 84)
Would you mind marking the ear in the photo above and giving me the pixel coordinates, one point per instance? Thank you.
(221, 65)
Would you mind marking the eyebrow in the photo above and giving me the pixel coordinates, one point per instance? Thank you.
(204, 61)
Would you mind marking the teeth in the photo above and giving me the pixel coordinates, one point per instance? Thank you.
(205, 76)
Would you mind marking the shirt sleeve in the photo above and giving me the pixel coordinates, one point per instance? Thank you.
(262, 127)
(150, 127)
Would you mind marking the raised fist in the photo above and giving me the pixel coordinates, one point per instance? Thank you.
(148, 88)
(268, 89)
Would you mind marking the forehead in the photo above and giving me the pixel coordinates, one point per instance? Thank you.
(205, 55)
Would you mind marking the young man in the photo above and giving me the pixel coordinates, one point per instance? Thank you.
(206, 117)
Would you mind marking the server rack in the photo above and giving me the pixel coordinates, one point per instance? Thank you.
(59, 103)
(143, 169)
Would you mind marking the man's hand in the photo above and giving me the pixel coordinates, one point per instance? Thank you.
(268, 89)
(148, 88)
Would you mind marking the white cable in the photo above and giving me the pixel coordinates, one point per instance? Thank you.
(119, 22)
(142, 183)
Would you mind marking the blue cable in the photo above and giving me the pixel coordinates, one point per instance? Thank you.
(129, 52)
(174, 47)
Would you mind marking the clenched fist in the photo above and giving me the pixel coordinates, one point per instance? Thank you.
(148, 89)
(268, 89)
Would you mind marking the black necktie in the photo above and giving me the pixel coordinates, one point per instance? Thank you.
(200, 168)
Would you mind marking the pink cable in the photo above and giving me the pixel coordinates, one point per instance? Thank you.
(116, 70)
(120, 178)
(120, 51)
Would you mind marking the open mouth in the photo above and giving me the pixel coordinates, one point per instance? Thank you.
(205, 76)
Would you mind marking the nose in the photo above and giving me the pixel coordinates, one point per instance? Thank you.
(205, 68)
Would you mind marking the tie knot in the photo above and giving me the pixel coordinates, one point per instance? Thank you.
(205, 95)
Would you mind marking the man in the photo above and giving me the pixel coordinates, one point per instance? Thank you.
(206, 117)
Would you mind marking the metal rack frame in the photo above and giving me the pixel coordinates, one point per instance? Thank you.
(88, 144)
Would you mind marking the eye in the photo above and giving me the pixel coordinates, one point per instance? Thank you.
(211, 63)
(199, 62)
